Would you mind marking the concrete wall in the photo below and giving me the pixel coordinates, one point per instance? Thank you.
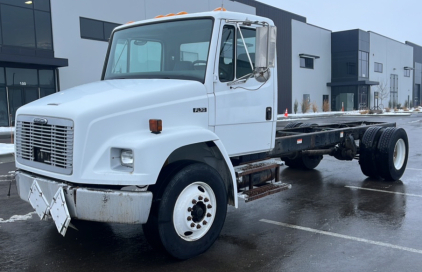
(394, 56)
(86, 57)
(312, 40)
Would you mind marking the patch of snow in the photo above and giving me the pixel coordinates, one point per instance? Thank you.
(7, 129)
(15, 218)
(7, 148)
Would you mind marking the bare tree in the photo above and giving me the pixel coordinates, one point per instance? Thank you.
(383, 93)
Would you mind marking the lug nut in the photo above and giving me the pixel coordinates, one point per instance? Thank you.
(193, 201)
(189, 218)
(204, 223)
(209, 206)
(192, 225)
(198, 226)
(208, 215)
(200, 197)
(206, 200)
(189, 209)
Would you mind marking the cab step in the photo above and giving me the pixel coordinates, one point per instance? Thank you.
(262, 191)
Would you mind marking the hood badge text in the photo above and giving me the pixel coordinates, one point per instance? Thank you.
(195, 110)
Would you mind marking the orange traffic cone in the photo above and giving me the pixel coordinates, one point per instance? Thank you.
(286, 114)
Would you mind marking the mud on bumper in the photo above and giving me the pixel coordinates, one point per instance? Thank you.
(101, 205)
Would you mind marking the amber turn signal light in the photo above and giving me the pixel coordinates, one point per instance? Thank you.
(155, 125)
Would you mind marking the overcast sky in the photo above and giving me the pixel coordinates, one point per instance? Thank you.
(397, 19)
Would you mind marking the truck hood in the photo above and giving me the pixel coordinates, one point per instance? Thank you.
(113, 96)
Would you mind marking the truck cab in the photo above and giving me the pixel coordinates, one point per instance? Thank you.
(152, 143)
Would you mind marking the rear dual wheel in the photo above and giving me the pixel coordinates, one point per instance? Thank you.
(384, 152)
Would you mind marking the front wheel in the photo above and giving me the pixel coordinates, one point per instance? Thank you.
(192, 211)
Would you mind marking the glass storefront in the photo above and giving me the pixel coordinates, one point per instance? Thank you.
(19, 86)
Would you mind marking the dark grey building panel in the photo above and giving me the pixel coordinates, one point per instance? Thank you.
(283, 20)
(417, 73)
(345, 41)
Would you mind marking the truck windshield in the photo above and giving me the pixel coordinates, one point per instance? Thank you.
(171, 50)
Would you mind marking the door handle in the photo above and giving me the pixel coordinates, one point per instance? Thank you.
(268, 113)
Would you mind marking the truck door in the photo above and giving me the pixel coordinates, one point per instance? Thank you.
(244, 110)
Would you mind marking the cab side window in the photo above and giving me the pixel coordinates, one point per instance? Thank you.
(227, 53)
(243, 66)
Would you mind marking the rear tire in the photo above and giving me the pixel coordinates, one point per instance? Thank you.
(304, 162)
(367, 150)
(305, 125)
(195, 196)
(292, 125)
(392, 153)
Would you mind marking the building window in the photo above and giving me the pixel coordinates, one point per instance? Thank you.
(378, 67)
(95, 29)
(363, 64)
(25, 24)
(407, 73)
(306, 63)
(351, 68)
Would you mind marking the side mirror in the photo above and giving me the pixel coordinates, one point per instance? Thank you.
(266, 38)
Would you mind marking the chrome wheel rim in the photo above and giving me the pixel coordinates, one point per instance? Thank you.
(399, 154)
(194, 211)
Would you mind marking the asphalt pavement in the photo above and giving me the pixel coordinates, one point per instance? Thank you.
(333, 219)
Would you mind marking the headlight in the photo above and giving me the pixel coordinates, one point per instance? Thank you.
(126, 158)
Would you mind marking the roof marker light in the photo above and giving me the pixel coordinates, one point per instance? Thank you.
(182, 13)
(220, 9)
(130, 22)
(158, 16)
(170, 14)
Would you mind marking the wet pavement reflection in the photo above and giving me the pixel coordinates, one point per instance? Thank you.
(335, 197)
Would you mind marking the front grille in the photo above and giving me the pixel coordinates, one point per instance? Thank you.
(45, 143)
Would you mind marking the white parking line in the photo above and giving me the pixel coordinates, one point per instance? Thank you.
(414, 121)
(342, 236)
(382, 191)
(414, 169)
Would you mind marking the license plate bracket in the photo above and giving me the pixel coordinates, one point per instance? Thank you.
(38, 201)
(59, 212)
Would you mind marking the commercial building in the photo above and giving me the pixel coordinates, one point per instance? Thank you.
(417, 74)
(311, 60)
(364, 63)
(47, 46)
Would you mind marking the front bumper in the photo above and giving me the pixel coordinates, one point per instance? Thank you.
(101, 205)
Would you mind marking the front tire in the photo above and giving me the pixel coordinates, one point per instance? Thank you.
(192, 211)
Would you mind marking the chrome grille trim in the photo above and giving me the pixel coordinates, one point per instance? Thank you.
(53, 139)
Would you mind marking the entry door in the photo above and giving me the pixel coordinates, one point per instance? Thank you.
(19, 96)
(241, 107)
(363, 97)
(394, 90)
(416, 95)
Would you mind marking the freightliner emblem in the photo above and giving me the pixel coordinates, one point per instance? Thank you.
(41, 121)
(199, 109)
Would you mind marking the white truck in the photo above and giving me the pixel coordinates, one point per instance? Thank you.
(182, 124)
